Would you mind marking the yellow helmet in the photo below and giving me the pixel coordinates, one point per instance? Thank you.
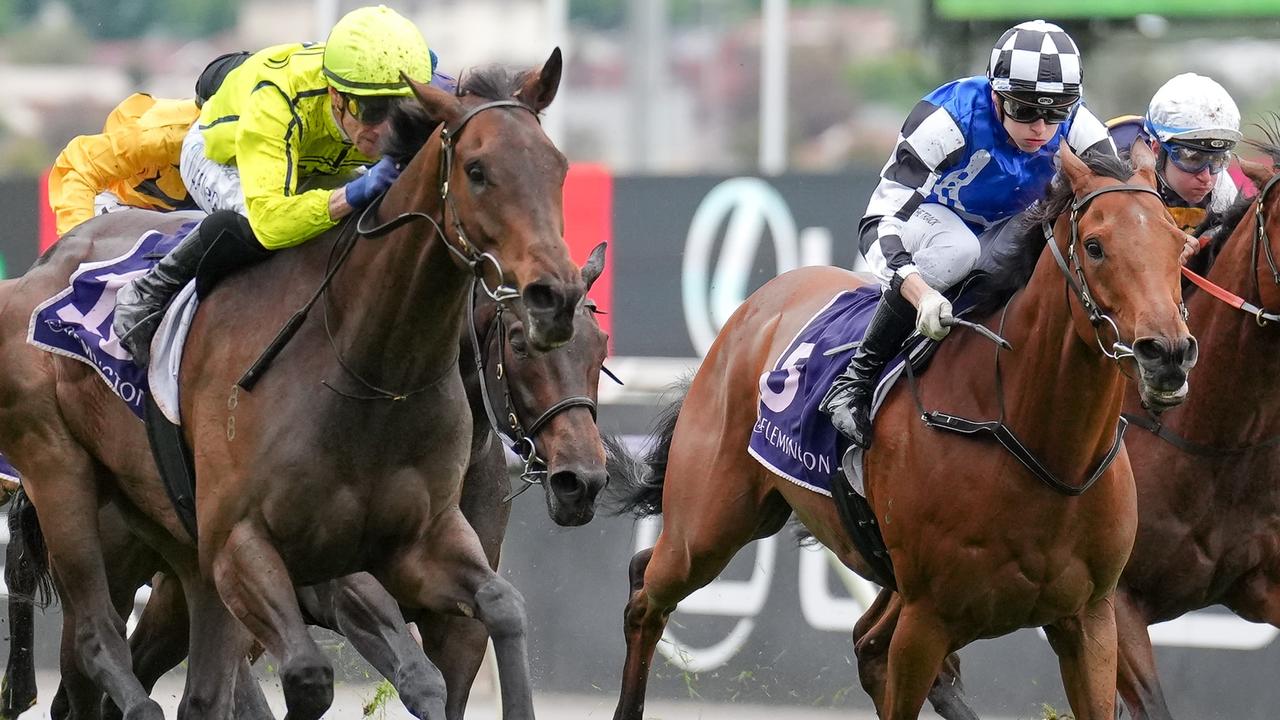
(369, 48)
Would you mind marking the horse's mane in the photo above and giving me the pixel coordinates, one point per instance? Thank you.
(411, 125)
(1270, 127)
(1005, 269)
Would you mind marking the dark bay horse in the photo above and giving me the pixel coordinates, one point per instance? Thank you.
(547, 397)
(1209, 520)
(359, 467)
(979, 546)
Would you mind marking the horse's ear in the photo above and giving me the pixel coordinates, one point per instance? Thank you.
(1256, 171)
(440, 105)
(1077, 172)
(1143, 160)
(540, 88)
(594, 265)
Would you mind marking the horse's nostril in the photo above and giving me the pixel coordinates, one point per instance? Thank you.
(578, 485)
(567, 485)
(1191, 354)
(1150, 350)
(540, 297)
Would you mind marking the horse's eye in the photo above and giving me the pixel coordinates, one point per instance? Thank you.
(475, 173)
(515, 337)
(1094, 249)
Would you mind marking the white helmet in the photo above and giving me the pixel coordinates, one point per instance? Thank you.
(1192, 109)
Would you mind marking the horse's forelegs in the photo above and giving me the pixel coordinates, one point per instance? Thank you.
(255, 584)
(918, 646)
(1086, 648)
(217, 646)
(361, 609)
(947, 693)
(18, 689)
(871, 636)
(251, 704)
(449, 573)
(159, 642)
(67, 502)
(456, 645)
(1137, 680)
(77, 696)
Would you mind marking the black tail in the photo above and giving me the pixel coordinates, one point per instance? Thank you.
(635, 486)
(26, 572)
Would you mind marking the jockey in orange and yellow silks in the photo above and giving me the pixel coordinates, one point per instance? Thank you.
(133, 161)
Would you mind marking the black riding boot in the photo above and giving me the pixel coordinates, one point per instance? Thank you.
(140, 304)
(221, 244)
(848, 402)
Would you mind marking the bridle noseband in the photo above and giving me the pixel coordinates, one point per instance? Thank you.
(521, 440)
(1074, 271)
(464, 251)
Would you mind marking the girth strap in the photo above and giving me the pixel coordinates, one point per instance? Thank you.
(1010, 441)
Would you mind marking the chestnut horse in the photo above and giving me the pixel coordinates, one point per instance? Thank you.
(980, 547)
(359, 467)
(547, 397)
(1209, 515)
(1209, 520)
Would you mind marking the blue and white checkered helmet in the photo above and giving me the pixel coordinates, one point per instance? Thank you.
(1037, 63)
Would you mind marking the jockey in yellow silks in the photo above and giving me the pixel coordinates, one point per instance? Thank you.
(289, 112)
(133, 162)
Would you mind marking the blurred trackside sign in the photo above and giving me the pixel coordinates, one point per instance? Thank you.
(588, 221)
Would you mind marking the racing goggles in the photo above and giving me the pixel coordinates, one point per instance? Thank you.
(369, 110)
(1194, 160)
(1020, 112)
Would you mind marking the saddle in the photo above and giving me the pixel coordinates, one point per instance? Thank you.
(230, 251)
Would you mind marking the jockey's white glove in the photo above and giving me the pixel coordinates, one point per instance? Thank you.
(931, 313)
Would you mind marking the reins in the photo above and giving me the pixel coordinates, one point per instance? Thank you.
(521, 440)
(467, 254)
(1077, 285)
(1261, 316)
(1260, 240)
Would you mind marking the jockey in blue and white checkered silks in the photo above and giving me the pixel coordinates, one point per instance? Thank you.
(973, 152)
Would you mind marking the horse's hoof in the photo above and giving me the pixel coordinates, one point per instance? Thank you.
(149, 710)
(308, 691)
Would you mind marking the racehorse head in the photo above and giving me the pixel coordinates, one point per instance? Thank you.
(543, 403)
(1122, 249)
(502, 182)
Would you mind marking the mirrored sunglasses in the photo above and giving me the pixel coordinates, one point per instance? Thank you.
(1027, 114)
(1194, 160)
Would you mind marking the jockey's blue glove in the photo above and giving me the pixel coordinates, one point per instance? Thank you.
(362, 190)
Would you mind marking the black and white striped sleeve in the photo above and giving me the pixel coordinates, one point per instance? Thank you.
(1089, 135)
(930, 142)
